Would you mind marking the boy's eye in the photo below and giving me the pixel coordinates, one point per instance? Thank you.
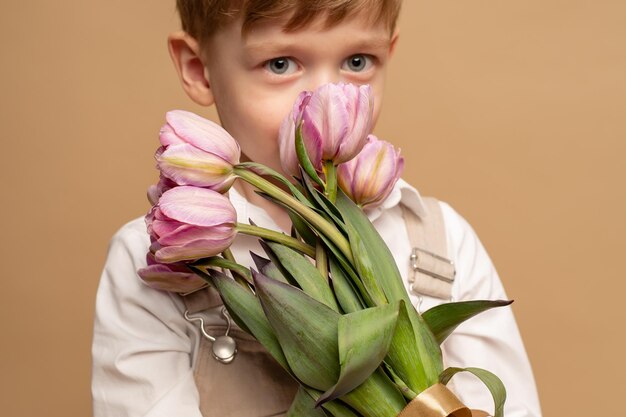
(357, 63)
(281, 66)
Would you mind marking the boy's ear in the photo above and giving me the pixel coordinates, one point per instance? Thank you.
(394, 42)
(185, 53)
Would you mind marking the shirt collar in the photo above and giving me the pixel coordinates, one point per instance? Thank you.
(402, 193)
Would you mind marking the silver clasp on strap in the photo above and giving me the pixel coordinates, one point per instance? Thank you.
(415, 264)
(224, 347)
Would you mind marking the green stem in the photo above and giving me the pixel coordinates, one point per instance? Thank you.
(228, 254)
(330, 171)
(241, 277)
(317, 221)
(277, 237)
(321, 259)
(241, 274)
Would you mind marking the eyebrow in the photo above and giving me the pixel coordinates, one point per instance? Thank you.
(278, 46)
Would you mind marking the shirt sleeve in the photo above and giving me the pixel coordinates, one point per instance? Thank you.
(490, 340)
(141, 346)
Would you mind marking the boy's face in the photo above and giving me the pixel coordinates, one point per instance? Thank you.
(255, 79)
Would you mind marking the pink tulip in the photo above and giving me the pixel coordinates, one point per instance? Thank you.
(175, 277)
(369, 178)
(287, 139)
(196, 151)
(155, 191)
(336, 119)
(190, 223)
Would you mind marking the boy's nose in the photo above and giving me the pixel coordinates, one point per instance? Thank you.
(323, 76)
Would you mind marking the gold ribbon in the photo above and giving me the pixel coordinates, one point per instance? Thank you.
(438, 401)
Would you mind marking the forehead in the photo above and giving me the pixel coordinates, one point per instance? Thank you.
(350, 36)
(294, 18)
(357, 28)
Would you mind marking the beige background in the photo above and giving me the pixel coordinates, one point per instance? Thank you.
(512, 111)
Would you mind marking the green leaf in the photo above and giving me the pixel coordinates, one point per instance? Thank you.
(365, 267)
(385, 268)
(303, 405)
(268, 268)
(418, 372)
(277, 270)
(246, 309)
(306, 275)
(303, 157)
(305, 328)
(364, 339)
(296, 218)
(493, 383)
(324, 204)
(406, 356)
(402, 386)
(334, 408)
(444, 318)
(349, 272)
(378, 396)
(347, 296)
(302, 228)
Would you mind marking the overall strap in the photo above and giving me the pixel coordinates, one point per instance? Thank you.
(431, 272)
(201, 299)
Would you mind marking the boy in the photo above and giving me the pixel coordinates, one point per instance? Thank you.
(251, 58)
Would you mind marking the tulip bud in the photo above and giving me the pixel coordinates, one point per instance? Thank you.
(190, 223)
(336, 119)
(196, 151)
(369, 178)
(175, 277)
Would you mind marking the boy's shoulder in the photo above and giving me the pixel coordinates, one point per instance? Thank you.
(133, 230)
(131, 239)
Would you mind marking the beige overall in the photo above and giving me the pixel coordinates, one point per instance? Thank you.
(253, 384)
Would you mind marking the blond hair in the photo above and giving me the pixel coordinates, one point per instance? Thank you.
(202, 18)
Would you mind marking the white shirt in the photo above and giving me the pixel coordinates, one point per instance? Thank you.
(144, 349)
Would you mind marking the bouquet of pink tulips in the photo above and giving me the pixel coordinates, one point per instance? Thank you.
(327, 301)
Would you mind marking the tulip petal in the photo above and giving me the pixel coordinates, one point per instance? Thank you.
(373, 172)
(325, 119)
(168, 137)
(287, 146)
(197, 249)
(197, 206)
(169, 277)
(360, 119)
(187, 233)
(161, 278)
(204, 134)
(187, 165)
(370, 177)
(286, 137)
